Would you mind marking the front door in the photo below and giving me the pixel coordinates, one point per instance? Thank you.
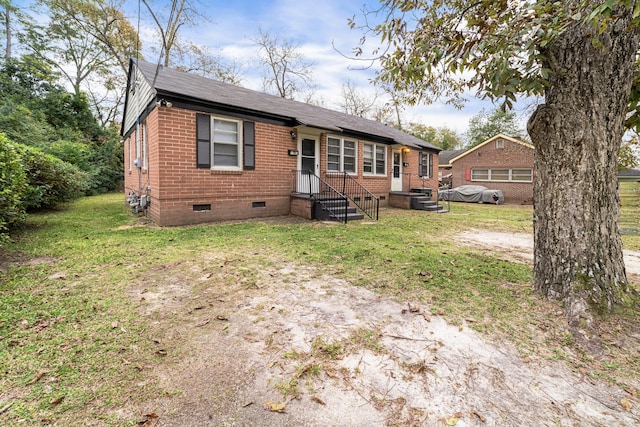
(396, 174)
(308, 164)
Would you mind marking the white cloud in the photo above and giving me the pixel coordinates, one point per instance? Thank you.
(316, 26)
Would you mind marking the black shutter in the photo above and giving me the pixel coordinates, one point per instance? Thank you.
(249, 141)
(203, 141)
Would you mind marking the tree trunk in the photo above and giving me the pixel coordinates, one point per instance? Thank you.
(577, 134)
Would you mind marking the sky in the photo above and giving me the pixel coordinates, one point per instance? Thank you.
(320, 30)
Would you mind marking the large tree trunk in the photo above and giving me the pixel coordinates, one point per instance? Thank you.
(577, 134)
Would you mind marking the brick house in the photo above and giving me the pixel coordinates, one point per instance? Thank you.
(501, 163)
(199, 150)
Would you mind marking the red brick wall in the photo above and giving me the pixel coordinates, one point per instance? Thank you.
(176, 185)
(513, 155)
(412, 179)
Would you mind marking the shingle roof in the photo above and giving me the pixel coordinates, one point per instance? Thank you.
(178, 83)
(446, 156)
(629, 173)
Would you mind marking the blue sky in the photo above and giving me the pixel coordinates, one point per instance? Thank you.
(316, 26)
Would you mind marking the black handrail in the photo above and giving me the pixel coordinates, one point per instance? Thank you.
(433, 188)
(364, 199)
(321, 192)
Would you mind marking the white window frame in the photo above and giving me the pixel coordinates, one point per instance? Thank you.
(239, 144)
(490, 177)
(374, 149)
(342, 156)
(145, 163)
(499, 144)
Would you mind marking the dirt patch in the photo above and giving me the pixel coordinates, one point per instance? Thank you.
(519, 247)
(240, 333)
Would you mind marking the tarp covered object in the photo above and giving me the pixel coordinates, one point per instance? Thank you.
(472, 194)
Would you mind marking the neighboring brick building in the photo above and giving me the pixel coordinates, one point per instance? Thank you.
(502, 163)
(199, 150)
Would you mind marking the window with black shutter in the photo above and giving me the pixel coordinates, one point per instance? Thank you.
(203, 137)
(249, 140)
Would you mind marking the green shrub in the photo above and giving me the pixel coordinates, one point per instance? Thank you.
(12, 185)
(50, 180)
(73, 152)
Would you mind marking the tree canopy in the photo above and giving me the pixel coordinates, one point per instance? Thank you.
(580, 58)
(485, 125)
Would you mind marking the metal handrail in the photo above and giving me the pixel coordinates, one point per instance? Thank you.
(351, 188)
(434, 188)
(323, 192)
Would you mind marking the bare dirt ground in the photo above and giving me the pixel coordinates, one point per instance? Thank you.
(285, 345)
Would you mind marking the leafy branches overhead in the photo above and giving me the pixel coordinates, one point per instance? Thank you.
(443, 48)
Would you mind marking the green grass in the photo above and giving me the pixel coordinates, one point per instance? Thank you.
(69, 330)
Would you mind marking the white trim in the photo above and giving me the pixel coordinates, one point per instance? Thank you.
(238, 144)
(341, 155)
(510, 173)
(508, 138)
(373, 165)
(145, 148)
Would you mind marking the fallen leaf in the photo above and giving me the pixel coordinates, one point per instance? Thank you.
(222, 317)
(527, 359)
(247, 404)
(150, 420)
(632, 391)
(582, 371)
(57, 400)
(274, 407)
(37, 377)
(441, 312)
(317, 400)
(451, 421)
(204, 322)
(480, 417)
(161, 352)
(460, 328)
(426, 317)
(414, 308)
(627, 405)
(114, 325)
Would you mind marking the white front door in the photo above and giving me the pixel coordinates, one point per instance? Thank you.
(396, 171)
(308, 164)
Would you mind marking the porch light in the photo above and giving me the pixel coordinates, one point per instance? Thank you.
(293, 134)
(405, 149)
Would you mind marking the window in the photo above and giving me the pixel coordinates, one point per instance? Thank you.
(227, 151)
(341, 155)
(425, 168)
(525, 175)
(145, 150)
(521, 175)
(374, 159)
(500, 144)
(221, 142)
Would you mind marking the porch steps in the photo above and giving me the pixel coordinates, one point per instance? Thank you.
(333, 210)
(424, 203)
